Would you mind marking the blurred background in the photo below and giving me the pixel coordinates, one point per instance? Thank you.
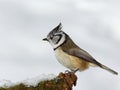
(94, 25)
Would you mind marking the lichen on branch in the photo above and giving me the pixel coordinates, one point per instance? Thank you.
(64, 81)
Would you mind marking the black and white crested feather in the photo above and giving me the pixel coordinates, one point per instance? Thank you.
(56, 37)
(56, 29)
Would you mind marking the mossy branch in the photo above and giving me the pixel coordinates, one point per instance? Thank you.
(64, 81)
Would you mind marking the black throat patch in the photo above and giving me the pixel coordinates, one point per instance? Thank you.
(63, 42)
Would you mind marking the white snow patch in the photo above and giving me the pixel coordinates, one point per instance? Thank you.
(34, 81)
(6, 83)
(28, 82)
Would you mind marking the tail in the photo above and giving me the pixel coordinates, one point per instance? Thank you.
(109, 69)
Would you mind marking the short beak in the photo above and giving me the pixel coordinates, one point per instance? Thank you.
(45, 39)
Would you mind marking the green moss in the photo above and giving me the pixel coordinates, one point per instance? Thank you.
(2, 88)
(44, 85)
(65, 82)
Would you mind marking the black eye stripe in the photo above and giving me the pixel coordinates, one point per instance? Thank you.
(59, 38)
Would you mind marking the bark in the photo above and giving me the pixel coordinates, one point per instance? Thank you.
(64, 81)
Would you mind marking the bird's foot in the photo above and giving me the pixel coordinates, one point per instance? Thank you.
(72, 71)
(67, 71)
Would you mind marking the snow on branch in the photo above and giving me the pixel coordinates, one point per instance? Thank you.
(64, 81)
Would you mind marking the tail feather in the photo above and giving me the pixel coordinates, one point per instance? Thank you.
(109, 69)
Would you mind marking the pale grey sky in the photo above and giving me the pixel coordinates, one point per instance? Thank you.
(93, 24)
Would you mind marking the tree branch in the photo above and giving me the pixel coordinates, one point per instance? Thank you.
(64, 81)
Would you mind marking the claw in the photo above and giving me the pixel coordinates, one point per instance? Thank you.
(67, 71)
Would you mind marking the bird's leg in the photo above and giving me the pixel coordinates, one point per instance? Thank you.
(74, 71)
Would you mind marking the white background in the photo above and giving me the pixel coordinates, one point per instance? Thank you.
(94, 25)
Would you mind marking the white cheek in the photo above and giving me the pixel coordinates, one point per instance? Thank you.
(59, 43)
(51, 43)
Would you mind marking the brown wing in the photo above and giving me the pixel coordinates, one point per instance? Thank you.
(83, 55)
(77, 52)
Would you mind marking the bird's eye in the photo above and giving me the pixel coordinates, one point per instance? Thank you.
(51, 37)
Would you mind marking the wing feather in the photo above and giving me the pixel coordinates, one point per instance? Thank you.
(80, 53)
(83, 55)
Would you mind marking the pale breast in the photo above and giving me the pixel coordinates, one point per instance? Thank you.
(69, 61)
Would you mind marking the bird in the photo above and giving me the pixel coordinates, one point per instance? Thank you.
(71, 55)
